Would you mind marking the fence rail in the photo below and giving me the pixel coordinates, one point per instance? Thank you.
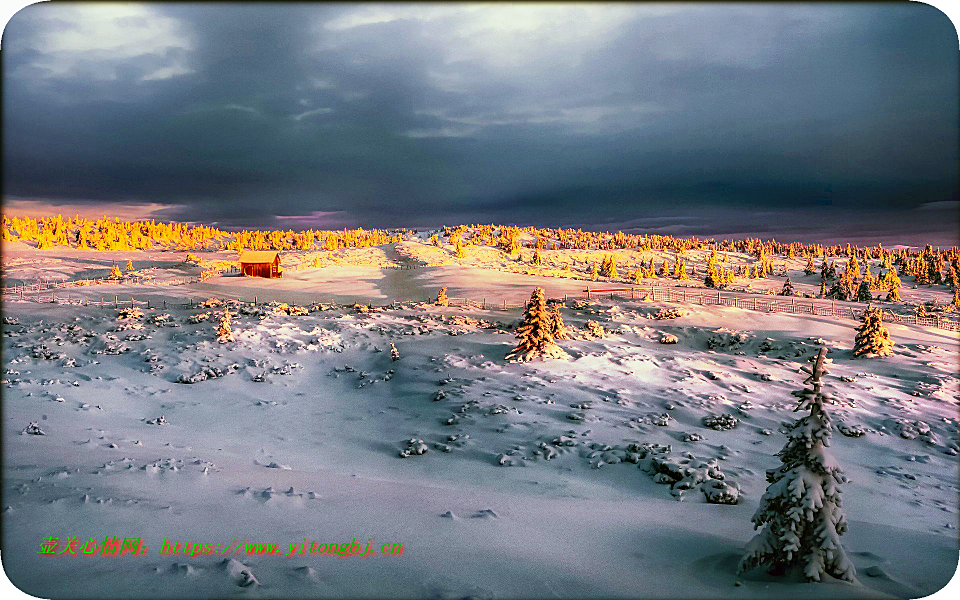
(792, 305)
(48, 292)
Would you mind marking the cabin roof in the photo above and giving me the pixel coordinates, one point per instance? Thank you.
(258, 256)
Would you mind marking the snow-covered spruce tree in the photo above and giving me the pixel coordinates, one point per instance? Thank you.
(872, 337)
(557, 329)
(115, 273)
(224, 333)
(863, 292)
(802, 511)
(537, 260)
(129, 266)
(787, 289)
(535, 332)
(442, 298)
(394, 353)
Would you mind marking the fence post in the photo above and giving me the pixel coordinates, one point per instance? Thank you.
(116, 301)
(718, 296)
(793, 305)
(588, 292)
(754, 303)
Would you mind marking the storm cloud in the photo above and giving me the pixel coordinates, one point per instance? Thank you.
(796, 121)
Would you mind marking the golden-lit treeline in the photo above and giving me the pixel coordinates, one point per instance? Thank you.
(108, 234)
(313, 239)
(507, 236)
(113, 234)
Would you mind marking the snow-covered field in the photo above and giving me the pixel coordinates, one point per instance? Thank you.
(538, 479)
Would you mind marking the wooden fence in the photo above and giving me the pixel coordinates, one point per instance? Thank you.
(52, 292)
(777, 304)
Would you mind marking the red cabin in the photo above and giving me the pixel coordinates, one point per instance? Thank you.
(260, 264)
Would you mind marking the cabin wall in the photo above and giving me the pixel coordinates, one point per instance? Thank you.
(267, 270)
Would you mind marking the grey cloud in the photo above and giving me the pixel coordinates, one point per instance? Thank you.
(436, 116)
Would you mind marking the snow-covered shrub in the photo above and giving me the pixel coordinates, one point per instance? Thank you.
(160, 320)
(197, 318)
(910, 430)
(850, 430)
(720, 422)
(442, 298)
(720, 492)
(207, 373)
(224, 333)
(414, 447)
(668, 338)
(129, 313)
(726, 339)
(801, 512)
(394, 353)
(161, 420)
(211, 303)
(34, 429)
(595, 329)
(671, 313)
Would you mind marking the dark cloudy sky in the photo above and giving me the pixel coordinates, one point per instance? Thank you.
(796, 121)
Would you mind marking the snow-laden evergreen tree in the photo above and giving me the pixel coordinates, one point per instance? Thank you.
(537, 260)
(787, 289)
(823, 288)
(863, 292)
(609, 266)
(802, 512)
(129, 265)
(535, 332)
(394, 353)
(224, 333)
(115, 273)
(872, 337)
(809, 269)
(442, 298)
(894, 294)
(557, 328)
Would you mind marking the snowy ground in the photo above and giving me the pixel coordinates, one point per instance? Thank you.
(526, 489)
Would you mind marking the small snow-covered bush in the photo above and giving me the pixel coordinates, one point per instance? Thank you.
(595, 329)
(160, 319)
(669, 338)
(726, 339)
(130, 313)
(910, 430)
(671, 313)
(34, 429)
(414, 447)
(850, 430)
(720, 492)
(197, 318)
(720, 422)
